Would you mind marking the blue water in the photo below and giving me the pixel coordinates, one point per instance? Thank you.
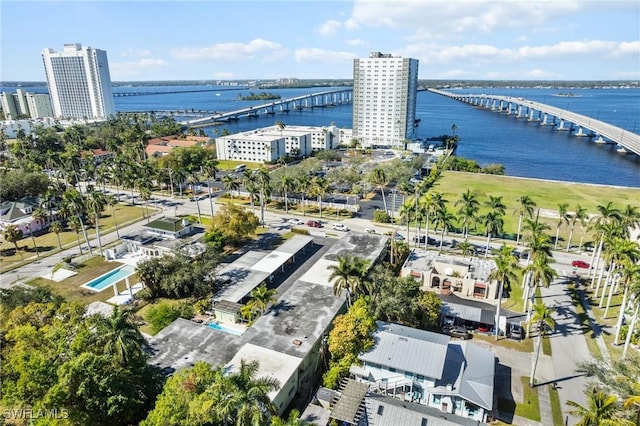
(525, 148)
(110, 278)
(217, 326)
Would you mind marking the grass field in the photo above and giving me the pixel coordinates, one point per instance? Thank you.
(546, 194)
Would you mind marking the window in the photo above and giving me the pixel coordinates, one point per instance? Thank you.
(436, 399)
(408, 375)
(380, 410)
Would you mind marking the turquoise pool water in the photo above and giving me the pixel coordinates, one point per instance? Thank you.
(233, 331)
(108, 279)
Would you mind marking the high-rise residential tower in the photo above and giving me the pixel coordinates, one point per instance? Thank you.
(79, 82)
(384, 99)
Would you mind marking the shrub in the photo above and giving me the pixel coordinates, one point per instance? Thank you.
(160, 316)
(381, 217)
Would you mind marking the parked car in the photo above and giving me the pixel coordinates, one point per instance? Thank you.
(295, 221)
(459, 332)
(516, 333)
(398, 236)
(339, 227)
(314, 224)
(579, 264)
(370, 231)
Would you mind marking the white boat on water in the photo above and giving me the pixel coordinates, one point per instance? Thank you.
(620, 149)
(217, 94)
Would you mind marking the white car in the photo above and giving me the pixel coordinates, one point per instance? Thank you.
(295, 221)
(340, 227)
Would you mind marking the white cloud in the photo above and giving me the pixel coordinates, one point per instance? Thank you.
(132, 69)
(135, 52)
(447, 17)
(322, 55)
(356, 42)
(223, 75)
(227, 51)
(329, 28)
(351, 24)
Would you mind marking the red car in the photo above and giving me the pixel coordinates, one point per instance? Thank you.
(579, 264)
(314, 224)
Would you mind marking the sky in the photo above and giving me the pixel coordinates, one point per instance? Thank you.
(226, 40)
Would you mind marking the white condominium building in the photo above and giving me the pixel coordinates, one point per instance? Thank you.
(79, 82)
(251, 146)
(25, 105)
(384, 100)
(270, 143)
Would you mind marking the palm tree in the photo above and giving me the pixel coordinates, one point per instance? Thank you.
(506, 274)
(95, 204)
(262, 297)
(525, 209)
(493, 224)
(429, 204)
(579, 216)
(40, 216)
(248, 397)
(302, 186)
(469, 208)
(444, 219)
(76, 202)
(496, 204)
(629, 275)
(563, 217)
(379, 178)
(119, 337)
(286, 185)
(12, 234)
(635, 296)
(56, 227)
(349, 274)
(540, 272)
(624, 253)
(607, 220)
(629, 219)
(542, 317)
(601, 410)
(210, 170)
(319, 187)
(193, 180)
(112, 202)
(230, 184)
(75, 226)
(466, 248)
(264, 185)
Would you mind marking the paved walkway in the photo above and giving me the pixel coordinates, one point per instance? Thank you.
(568, 345)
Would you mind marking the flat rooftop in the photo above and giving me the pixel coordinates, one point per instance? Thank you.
(273, 364)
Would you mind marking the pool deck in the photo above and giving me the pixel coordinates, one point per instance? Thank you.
(125, 298)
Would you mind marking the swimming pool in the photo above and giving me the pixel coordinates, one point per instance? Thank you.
(108, 279)
(233, 331)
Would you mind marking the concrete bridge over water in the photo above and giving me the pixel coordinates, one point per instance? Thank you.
(325, 99)
(547, 115)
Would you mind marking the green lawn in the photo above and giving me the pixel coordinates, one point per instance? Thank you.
(546, 194)
(556, 407)
(48, 243)
(70, 288)
(530, 406)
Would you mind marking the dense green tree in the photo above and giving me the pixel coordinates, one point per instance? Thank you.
(234, 223)
(12, 234)
(17, 184)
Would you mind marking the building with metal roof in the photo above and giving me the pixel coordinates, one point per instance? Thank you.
(429, 369)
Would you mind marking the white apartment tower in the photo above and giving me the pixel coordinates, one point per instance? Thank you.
(79, 82)
(384, 100)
